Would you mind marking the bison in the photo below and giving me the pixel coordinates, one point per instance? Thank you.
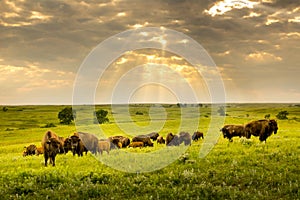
(39, 150)
(90, 141)
(197, 135)
(136, 144)
(230, 131)
(172, 140)
(30, 150)
(185, 137)
(77, 145)
(67, 145)
(161, 140)
(61, 146)
(153, 135)
(50, 144)
(119, 141)
(142, 138)
(262, 128)
(103, 145)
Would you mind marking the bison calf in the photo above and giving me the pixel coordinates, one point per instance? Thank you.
(161, 140)
(103, 146)
(136, 144)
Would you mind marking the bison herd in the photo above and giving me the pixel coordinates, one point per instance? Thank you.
(260, 128)
(80, 142)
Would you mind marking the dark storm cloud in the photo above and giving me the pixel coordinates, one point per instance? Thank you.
(244, 43)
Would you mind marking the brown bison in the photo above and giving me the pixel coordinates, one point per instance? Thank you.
(161, 140)
(30, 150)
(50, 144)
(67, 145)
(172, 140)
(142, 138)
(61, 146)
(136, 144)
(230, 131)
(118, 142)
(153, 135)
(197, 135)
(39, 150)
(185, 137)
(77, 146)
(262, 128)
(90, 141)
(103, 145)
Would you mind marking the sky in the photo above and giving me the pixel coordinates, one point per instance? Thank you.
(254, 45)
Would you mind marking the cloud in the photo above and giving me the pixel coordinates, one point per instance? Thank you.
(225, 6)
(263, 57)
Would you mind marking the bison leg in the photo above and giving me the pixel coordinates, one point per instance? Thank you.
(46, 159)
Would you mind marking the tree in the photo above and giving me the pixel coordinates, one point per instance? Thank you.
(5, 109)
(282, 115)
(66, 115)
(101, 116)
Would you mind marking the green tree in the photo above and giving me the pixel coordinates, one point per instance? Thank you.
(5, 109)
(282, 115)
(66, 115)
(101, 116)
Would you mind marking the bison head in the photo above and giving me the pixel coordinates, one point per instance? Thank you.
(273, 125)
(74, 141)
(54, 144)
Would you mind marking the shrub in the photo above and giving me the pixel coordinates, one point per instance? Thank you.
(48, 125)
(282, 115)
(101, 116)
(5, 109)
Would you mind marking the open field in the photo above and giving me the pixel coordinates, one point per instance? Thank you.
(242, 169)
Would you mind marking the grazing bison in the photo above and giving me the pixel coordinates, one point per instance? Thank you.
(172, 140)
(136, 144)
(50, 144)
(39, 150)
(160, 140)
(153, 135)
(118, 142)
(103, 145)
(185, 137)
(30, 150)
(90, 141)
(197, 135)
(142, 138)
(230, 131)
(262, 128)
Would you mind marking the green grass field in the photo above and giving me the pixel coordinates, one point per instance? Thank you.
(242, 169)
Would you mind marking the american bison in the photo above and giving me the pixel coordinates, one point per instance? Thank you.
(30, 150)
(50, 144)
(197, 135)
(230, 131)
(172, 140)
(67, 145)
(142, 138)
(103, 145)
(160, 140)
(185, 137)
(262, 128)
(119, 141)
(90, 141)
(61, 146)
(77, 145)
(39, 150)
(153, 135)
(136, 144)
